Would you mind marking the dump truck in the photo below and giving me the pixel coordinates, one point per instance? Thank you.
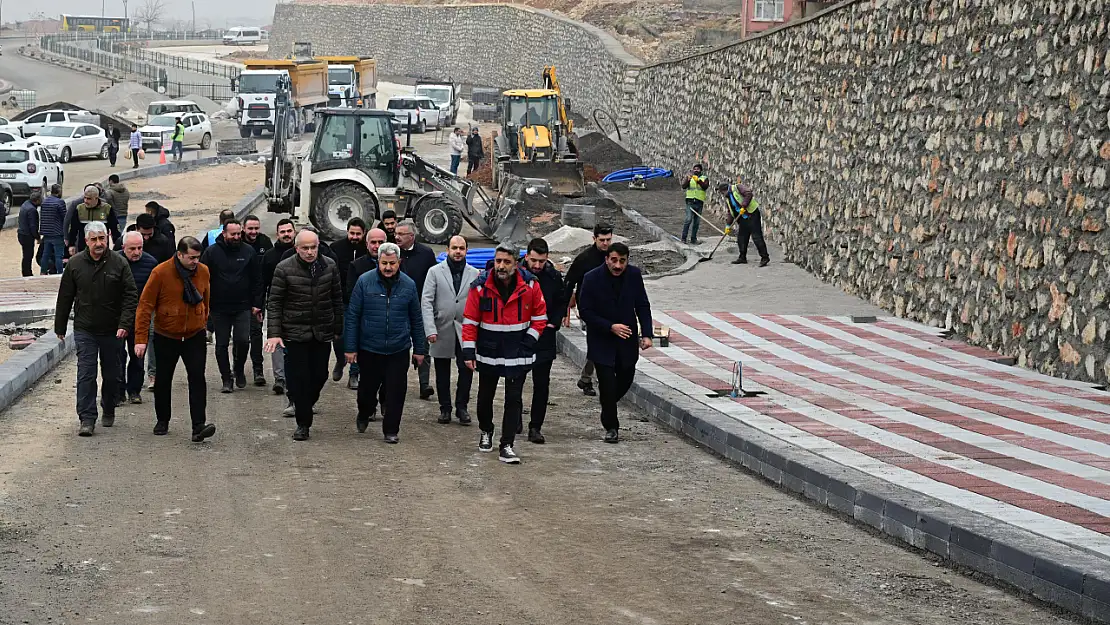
(446, 96)
(259, 83)
(537, 140)
(352, 81)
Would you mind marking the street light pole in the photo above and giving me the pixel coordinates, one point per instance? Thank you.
(194, 4)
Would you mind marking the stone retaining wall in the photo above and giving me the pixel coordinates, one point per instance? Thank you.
(945, 159)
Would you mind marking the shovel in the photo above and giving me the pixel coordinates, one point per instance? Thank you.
(710, 224)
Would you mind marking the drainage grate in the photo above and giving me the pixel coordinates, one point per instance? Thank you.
(727, 392)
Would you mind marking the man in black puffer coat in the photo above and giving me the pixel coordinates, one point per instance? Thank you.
(306, 314)
(236, 295)
(551, 285)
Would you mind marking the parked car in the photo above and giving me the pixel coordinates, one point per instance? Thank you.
(7, 137)
(25, 166)
(198, 131)
(8, 198)
(424, 112)
(34, 123)
(171, 107)
(10, 127)
(69, 140)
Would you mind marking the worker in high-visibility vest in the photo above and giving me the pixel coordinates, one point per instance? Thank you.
(695, 185)
(178, 139)
(744, 215)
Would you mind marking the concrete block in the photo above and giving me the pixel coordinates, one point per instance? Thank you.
(892, 527)
(868, 516)
(579, 216)
(1062, 597)
(1059, 575)
(930, 543)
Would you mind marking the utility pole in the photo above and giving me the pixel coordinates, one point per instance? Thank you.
(194, 4)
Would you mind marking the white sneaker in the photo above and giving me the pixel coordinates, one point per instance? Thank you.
(508, 456)
(290, 411)
(485, 441)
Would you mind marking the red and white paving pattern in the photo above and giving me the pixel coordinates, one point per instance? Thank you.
(895, 400)
(38, 292)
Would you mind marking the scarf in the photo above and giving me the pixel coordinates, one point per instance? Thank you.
(456, 273)
(189, 292)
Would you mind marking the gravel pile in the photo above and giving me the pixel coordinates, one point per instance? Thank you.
(124, 98)
(206, 105)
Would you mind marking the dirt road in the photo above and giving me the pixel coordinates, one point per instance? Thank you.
(254, 528)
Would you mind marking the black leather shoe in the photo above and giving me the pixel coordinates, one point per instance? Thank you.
(535, 436)
(611, 436)
(444, 415)
(463, 416)
(241, 380)
(206, 431)
(337, 372)
(226, 387)
(259, 379)
(300, 434)
(740, 261)
(361, 423)
(108, 420)
(426, 393)
(87, 428)
(279, 386)
(161, 428)
(765, 262)
(587, 388)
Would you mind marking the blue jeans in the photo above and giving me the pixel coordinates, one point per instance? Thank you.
(455, 160)
(53, 248)
(178, 150)
(691, 222)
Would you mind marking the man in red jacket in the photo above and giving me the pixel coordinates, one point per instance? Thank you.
(504, 317)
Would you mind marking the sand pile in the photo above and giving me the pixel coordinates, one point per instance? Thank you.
(122, 99)
(206, 105)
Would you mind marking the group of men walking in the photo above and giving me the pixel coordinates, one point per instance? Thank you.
(380, 306)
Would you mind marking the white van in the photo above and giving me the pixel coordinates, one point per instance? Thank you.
(242, 36)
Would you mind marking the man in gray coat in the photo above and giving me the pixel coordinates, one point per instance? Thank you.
(444, 299)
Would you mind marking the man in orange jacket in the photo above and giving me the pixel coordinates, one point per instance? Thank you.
(178, 294)
(504, 317)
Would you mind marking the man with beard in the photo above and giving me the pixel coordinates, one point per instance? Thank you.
(177, 297)
(154, 242)
(416, 260)
(252, 236)
(100, 285)
(505, 315)
(443, 302)
(389, 225)
(383, 323)
(236, 296)
(346, 252)
(613, 299)
(306, 314)
(285, 233)
(91, 209)
(551, 284)
(589, 259)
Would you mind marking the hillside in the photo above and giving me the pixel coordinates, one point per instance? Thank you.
(651, 29)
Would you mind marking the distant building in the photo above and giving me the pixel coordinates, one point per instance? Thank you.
(760, 15)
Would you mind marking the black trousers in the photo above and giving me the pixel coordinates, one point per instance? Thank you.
(541, 392)
(193, 352)
(443, 381)
(131, 368)
(472, 163)
(751, 227)
(135, 156)
(257, 343)
(27, 242)
(91, 350)
(612, 384)
(514, 404)
(224, 324)
(386, 375)
(306, 372)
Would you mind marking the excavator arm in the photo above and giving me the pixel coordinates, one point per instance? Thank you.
(550, 81)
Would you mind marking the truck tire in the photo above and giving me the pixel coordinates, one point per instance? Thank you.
(245, 131)
(437, 220)
(336, 204)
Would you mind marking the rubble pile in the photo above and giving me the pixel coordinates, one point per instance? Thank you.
(604, 155)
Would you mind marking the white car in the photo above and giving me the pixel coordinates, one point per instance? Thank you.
(9, 127)
(420, 109)
(198, 131)
(25, 166)
(34, 123)
(68, 140)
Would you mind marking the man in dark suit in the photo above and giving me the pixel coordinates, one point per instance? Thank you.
(416, 260)
(612, 300)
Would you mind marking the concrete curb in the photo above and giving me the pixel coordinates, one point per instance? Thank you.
(692, 256)
(20, 371)
(1063, 576)
(165, 170)
(25, 316)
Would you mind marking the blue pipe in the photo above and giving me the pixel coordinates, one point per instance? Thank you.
(648, 173)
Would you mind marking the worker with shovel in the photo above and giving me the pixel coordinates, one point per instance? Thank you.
(743, 211)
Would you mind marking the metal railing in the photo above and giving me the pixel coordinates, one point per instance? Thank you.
(128, 45)
(197, 66)
(175, 90)
(100, 59)
(179, 35)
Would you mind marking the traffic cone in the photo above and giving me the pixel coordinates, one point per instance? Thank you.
(162, 156)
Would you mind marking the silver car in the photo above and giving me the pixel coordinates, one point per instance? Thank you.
(420, 109)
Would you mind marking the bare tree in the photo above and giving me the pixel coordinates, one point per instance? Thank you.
(150, 12)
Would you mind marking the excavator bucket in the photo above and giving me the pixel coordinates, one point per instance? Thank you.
(567, 177)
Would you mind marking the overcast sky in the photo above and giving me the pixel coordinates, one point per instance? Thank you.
(219, 12)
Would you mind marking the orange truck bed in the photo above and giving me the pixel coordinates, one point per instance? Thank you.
(309, 79)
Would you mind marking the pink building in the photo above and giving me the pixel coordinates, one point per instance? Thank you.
(760, 15)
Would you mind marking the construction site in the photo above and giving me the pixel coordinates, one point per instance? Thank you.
(898, 415)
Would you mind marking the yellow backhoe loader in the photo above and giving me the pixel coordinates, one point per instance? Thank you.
(537, 139)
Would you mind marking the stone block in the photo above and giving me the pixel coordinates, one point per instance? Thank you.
(579, 216)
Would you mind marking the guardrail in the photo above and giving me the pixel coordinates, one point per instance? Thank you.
(174, 90)
(127, 46)
(197, 66)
